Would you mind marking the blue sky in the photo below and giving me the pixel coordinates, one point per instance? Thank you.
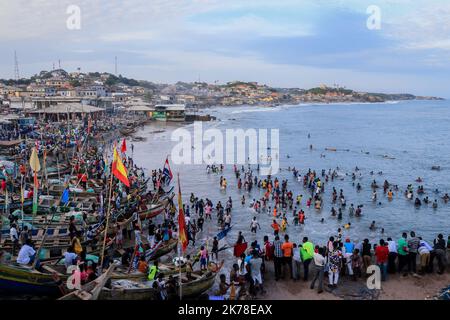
(291, 43)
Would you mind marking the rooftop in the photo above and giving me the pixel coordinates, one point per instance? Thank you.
(69, 108)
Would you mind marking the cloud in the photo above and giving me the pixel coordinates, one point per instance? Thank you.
(127, 36)
(253, 25)
(289, 42)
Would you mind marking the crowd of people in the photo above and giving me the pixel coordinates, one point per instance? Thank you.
(340, 257)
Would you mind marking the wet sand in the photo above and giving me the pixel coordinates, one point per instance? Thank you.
(395, 288)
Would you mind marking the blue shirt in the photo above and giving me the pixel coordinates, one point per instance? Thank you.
(349, 247)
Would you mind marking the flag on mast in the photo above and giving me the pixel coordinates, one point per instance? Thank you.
(89, 126)
(123, 149)
(182, 232)
(167, 172)
(119, 170)
(35, 166)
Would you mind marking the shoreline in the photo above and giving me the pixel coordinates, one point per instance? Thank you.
(313, 103)
(395, 288)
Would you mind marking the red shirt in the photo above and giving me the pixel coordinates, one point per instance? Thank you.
(381, 252)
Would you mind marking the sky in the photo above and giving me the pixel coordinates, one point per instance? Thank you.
(282, 43)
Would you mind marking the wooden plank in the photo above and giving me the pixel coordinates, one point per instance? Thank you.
(51, 270)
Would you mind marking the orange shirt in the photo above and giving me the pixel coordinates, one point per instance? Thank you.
(276, 226)
(287, 249)
(142, 266)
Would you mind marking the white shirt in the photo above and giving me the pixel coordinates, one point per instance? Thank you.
(423, 250)
(24, 254)
(426, 245)
(242, 272)
(296, 254)
(319, 260)
(392, 246)
(13, 234)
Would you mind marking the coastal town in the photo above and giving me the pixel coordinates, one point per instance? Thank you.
(49, 90)
(78, 205)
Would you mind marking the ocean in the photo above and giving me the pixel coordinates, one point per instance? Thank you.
(403, 140)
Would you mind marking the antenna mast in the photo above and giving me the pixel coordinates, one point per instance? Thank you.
(16, 67)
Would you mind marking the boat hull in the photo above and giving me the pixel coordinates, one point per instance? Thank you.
(21, 281)
(189, 290)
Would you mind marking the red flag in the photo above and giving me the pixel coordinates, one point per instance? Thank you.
(182, 232)
(123, 149)
(89, 126)
(36, 181)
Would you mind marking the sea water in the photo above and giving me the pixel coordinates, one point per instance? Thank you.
(403, 140)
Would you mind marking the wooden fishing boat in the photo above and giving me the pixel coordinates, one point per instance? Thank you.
(58, 189)
(23, 279)
(55, 171)
(127, 131)
(10, 143)
(153, 211)
(160, 249)
(139, 139)
(142, 290)
(91, 290)
(20, 279)
(16, 204)
(53, 220)
(57, 238)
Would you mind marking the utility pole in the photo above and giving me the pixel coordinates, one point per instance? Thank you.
(115, 66)
(16, 67)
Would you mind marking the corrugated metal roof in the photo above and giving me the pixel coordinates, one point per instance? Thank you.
(69, 108)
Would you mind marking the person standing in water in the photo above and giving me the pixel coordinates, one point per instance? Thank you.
(254, 225)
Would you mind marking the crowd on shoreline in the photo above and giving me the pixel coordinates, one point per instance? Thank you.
(339, 257)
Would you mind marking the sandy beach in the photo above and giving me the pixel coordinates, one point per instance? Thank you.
(395, 288)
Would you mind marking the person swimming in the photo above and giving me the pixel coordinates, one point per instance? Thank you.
(417, 202)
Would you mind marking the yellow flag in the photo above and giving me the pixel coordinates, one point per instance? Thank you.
(34, 161)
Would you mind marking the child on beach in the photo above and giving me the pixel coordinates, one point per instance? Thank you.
(203, 258)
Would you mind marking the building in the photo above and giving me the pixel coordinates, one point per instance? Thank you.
(64, 111)
(20, 103)
(67, 92)
(170, 112)
(46, 102)
(141, 110)
(56, 82)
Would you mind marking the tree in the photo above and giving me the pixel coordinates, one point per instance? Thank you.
(75, 83)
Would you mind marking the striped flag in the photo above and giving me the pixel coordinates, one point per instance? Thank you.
(119, 170)
(167, 172)
(182, 232)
